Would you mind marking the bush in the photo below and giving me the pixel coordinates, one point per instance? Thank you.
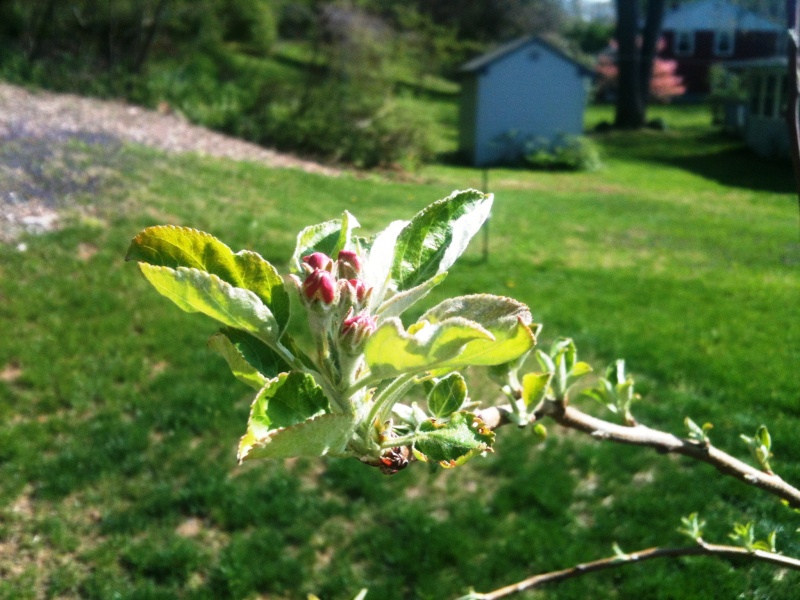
(340, 125)
(249, 23)
(565, 152)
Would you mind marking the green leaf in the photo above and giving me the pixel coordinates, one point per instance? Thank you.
(391, 351)
(437, 236)
(400, 302)
(325, 435)
(535, 387)
(323, 237)
(378, 261)
(508, 321)
(174, 247)
(763, 437)
(260, 356)
(241, 369)
(329, 238)
(345, 241)
(197, 291)
(453, 442)
(579, 369)
(447, 395)
(289, 399)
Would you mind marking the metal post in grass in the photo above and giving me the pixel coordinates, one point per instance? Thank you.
(485, 250)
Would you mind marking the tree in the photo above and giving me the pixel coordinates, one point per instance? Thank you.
(636, 60)
(664, 85)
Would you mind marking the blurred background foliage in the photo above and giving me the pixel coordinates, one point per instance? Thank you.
(336, 80)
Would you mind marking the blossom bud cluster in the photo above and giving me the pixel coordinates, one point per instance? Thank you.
(330, 285)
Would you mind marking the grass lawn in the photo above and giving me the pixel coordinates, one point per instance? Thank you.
(118, 426)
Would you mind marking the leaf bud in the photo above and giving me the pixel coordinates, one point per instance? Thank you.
(320, 285)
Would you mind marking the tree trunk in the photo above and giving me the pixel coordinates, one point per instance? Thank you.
(654, 17)
(150, 34)
(630, 108)
(40, 30)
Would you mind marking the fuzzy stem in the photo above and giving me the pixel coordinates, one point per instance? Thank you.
(384, 400)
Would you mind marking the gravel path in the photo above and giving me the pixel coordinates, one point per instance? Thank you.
(35, 132)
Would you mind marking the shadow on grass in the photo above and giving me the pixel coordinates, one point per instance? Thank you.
(738, 167)
(710, 154)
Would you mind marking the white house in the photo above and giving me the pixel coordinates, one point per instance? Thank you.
(524, 90)
(765, 129)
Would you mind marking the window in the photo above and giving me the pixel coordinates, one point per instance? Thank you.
(723, 43)
(770, 89)
(684, 43)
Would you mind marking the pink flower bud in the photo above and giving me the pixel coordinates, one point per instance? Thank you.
(318, 260)
(349, 264)
(360, 289)
(320, 285)
(356, 329)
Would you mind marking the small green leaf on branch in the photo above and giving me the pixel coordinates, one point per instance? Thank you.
(692, 527)
(760, 446)
(744, 536)
(452, 442)
(447, 395)
(696, 433)
(535, 388)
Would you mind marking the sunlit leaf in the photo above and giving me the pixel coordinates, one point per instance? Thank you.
(174, 247)
(379, 260)
(534, 387)
(391, 350)
(197, 291)
(325, 435)
(284, 402)
(329, 238)
(401, 301)
(507, 320)
(437, 236)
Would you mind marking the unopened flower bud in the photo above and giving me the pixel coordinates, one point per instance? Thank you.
(318, 260)
(349, 264)
(360, 289)
(356, 329)
(320, 285)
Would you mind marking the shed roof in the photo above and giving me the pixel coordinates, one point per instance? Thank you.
(479, 62)
(716, 15)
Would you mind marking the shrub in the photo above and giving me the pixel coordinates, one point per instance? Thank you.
(565, 152)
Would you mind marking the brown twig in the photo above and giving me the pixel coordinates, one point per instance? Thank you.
(702, 549)
(665, 443)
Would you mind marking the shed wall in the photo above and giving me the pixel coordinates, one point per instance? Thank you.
(532, 92)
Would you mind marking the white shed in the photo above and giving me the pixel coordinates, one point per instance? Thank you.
(524, 90)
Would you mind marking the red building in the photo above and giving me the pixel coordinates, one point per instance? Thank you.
(701, 34)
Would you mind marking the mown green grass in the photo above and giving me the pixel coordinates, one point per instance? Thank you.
(119, 426)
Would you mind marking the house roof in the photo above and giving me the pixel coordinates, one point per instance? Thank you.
(716, 15)
(479, 62)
